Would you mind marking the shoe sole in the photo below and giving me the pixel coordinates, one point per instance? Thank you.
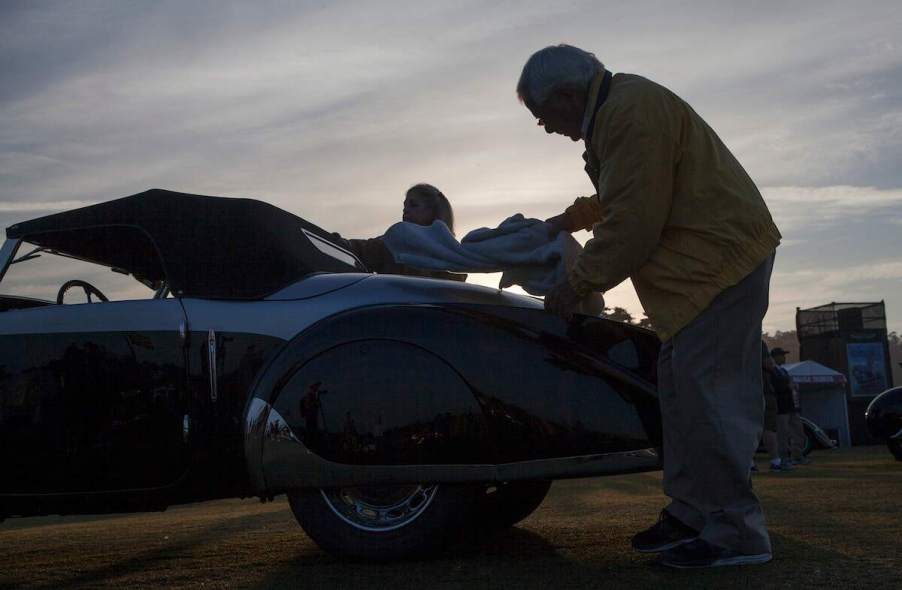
(726, 561)
(666, 547)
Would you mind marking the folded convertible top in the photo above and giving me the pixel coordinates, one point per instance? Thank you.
(211, 247)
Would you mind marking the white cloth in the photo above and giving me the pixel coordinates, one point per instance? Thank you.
(520, 248)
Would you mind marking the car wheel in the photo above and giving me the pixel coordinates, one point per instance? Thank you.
(504, 505)
(381, 523)
(895, 447)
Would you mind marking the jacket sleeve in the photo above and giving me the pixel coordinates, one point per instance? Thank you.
(638, 151)
(584, 213)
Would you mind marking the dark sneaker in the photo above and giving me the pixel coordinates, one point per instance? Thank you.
(781, 466)
(665, 534)
(700, 553)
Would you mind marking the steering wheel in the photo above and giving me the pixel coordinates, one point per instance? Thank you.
(88, 288)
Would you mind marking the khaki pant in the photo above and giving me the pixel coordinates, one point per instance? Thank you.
(790, 436)
(709, 385)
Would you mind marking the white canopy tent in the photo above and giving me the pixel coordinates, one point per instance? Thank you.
(822, 395)
(813, 372)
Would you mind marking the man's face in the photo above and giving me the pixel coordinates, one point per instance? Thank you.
(563, 114)
(780, 359)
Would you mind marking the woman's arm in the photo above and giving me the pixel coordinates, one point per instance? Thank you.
(371, 252)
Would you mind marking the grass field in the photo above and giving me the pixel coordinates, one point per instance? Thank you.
(836, 523)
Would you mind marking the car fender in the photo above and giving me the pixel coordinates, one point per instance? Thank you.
(884, 415)
(294, 432)
(510, 395)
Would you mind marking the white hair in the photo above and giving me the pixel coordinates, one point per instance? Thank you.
(556, 68)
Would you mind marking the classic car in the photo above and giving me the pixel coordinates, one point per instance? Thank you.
(259, 358)
(815, 438)
(884, 419)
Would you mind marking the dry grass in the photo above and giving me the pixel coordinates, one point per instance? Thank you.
(835, 523)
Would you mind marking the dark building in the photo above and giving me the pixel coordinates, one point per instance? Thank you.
(852, 339)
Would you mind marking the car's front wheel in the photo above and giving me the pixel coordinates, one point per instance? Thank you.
(382, 523)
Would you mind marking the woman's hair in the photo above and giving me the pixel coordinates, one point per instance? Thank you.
(434, 198)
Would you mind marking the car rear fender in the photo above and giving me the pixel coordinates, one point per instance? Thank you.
(442, 393)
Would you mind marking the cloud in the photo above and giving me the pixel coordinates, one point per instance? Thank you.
(803, 209)
(854, 277)
(331, 110)
(874, 281)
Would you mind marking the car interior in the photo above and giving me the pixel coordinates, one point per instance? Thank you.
(41, 274)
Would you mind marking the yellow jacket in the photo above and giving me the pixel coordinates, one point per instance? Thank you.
(674, 210)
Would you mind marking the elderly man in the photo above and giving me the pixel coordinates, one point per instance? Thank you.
(676, 213)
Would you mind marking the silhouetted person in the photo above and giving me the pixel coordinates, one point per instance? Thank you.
(676, 213)
(771, 435)
(423, 204)
(790, 431)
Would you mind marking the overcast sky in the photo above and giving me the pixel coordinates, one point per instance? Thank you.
(332, 109)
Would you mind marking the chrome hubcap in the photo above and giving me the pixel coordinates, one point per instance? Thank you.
(379, 508)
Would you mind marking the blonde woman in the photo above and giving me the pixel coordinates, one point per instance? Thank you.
(423, 204)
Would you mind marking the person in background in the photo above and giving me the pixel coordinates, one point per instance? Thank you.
(790, 431)
(675, 212)
(771, 436)
(423, 204)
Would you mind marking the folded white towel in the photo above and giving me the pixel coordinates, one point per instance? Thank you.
(520, 248)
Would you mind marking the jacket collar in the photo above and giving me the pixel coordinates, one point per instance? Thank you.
(598, 93)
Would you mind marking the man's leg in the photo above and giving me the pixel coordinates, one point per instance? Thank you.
(783, 434)
(680, 522)
(770, 431)
(676, 428)
(773, 449)
(796, 437)
(717, 376)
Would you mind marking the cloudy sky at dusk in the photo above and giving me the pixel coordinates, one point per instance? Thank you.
(331, 110)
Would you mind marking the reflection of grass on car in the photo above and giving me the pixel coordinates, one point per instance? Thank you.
(834, 523)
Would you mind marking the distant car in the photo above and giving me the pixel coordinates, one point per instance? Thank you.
(884, 419)
(815, 438)
(265, 359)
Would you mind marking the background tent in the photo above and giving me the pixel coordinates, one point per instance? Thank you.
(822, 394)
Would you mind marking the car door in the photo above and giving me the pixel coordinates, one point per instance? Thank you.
(92, 397)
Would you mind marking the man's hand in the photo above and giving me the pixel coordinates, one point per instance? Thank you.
(557, 224)
(562, 301)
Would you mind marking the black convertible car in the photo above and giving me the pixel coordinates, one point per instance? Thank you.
(265, 359)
